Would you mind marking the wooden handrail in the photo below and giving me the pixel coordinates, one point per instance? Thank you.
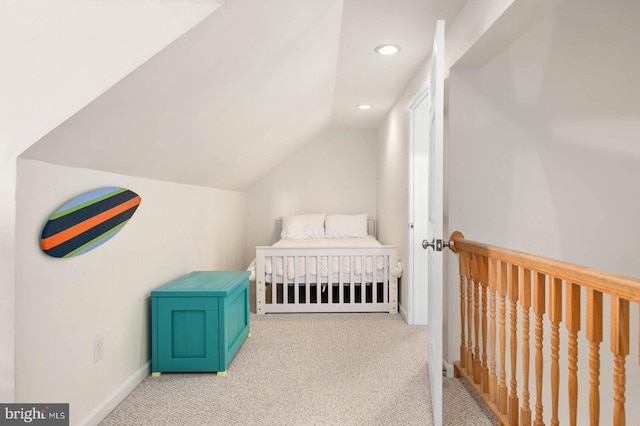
(625, 287)
(493, 282)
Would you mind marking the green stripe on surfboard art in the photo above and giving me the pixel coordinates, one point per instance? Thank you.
(88, 221)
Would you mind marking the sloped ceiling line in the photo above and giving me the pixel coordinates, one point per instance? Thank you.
(245, 89)
(249, 85)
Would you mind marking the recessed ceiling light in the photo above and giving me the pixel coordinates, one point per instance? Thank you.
(364, 106)
(388, 49)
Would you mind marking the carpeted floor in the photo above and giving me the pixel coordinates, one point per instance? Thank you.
(308, 369)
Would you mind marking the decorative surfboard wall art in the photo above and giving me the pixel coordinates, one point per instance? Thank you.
(88, 221)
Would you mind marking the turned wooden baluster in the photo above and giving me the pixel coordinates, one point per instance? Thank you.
(502, 292)
(477, 365)
(514, 403)
(485, 280)
(525, 304)
(573, 327)
(470, 284)
(463, 287)
(555, 316)
(594, 335)
(539, 300)
(493, 283)
(620, 349)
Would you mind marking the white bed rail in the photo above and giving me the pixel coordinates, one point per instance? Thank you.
(361, 279)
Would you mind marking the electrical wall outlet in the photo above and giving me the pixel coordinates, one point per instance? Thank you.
(98, 348)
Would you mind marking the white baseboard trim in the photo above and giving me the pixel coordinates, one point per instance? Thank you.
(447, 369)
(403, 313)
(112, 401)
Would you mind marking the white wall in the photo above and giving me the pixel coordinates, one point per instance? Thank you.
(543, 152)
(57, 57)
(336, 173)
(61, 304)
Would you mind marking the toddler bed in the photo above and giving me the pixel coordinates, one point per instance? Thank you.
(326, 264)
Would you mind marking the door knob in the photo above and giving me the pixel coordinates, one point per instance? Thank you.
(437, 245)
(426, 244)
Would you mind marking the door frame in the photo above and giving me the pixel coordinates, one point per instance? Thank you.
(415, 315)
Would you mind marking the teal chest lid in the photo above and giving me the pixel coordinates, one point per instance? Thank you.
(202, 283)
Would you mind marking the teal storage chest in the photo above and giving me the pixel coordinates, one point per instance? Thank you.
(199, 322)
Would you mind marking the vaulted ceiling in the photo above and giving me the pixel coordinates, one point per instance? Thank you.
(246, 88)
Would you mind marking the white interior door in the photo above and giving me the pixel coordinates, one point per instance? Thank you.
(435, 219)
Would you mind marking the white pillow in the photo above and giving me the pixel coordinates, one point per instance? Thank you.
(346, 226)
(303, 227)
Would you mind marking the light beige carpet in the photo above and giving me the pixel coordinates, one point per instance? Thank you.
(308, 369)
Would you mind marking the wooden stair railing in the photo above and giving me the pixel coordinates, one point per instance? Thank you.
(494, 282)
